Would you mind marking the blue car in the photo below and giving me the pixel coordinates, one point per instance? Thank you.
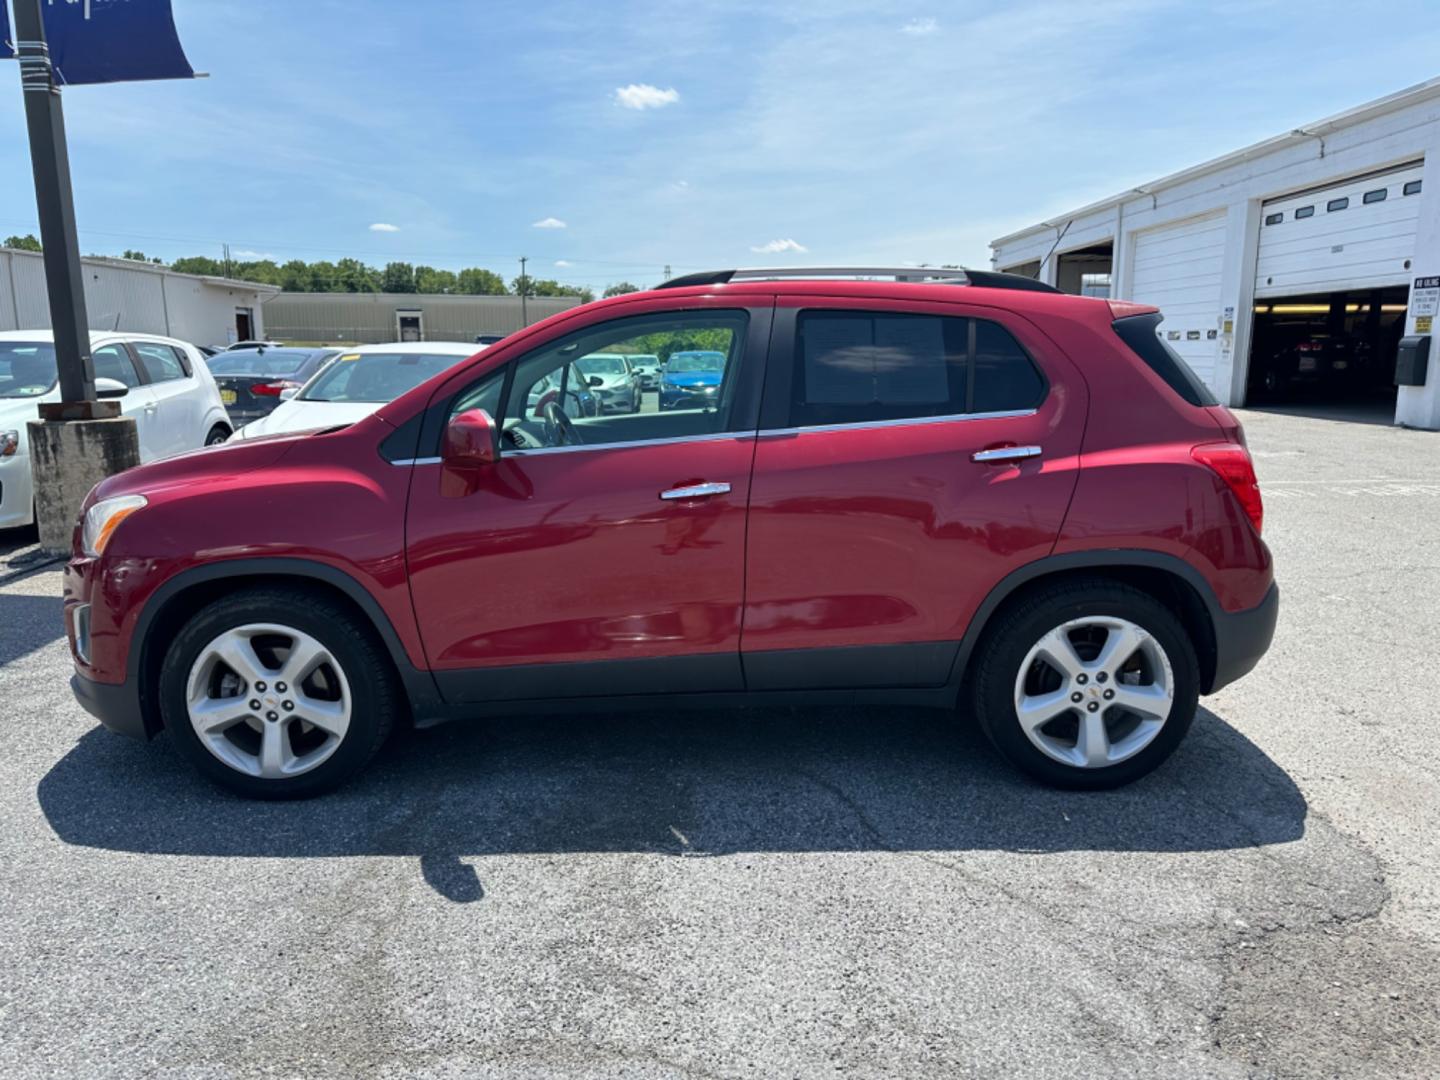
(691, 380)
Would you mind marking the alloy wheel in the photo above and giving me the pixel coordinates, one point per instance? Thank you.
(268, 700)
(1094, 691)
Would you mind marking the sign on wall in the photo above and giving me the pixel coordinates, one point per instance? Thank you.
(102, 41)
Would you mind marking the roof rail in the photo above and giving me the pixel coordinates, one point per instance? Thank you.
(933, 275)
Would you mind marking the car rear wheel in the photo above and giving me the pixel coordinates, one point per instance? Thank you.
(218, 434)
(276, 694)
(1087, 685)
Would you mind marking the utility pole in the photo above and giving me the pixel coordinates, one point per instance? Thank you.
(524, 290)
(55, 203)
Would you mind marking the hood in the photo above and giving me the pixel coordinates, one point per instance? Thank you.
(209, 463)
(297, 415)
(693, 378)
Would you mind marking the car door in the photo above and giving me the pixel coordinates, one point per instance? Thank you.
(113, 361)
(909, 457)
(608, 563)
(177, 412)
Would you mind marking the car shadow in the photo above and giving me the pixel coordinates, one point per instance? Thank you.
(30, 623)
(685, 784)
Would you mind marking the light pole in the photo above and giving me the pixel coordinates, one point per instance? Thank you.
(64, 276)
(78, 440)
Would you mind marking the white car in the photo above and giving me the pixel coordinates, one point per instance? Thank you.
(164, 384)
(356, 383)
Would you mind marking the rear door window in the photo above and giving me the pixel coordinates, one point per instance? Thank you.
(162, 362)
(869, 367)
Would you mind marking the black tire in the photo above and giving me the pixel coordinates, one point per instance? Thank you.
(1020, 627)
(218, 434)
(376, 700)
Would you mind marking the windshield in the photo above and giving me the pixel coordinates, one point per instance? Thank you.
(374, 377)
(27, 368)
(696, 361)
(644, 361)
(270, 362)
(599, 364)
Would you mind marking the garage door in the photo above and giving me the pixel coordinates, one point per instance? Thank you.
(1178, 269)
(1354, 235)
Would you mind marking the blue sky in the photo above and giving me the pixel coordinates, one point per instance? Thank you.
(696, 134)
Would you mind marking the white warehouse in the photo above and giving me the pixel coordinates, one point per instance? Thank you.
(1287, 271)
(121, 294)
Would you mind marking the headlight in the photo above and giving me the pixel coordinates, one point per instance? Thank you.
(102, 519)
(9, 443)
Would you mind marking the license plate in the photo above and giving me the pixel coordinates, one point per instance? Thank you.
(228, 397)
(1307, 363)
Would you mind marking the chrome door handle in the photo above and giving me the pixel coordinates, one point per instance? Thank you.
(696, 491)
(1005, 453)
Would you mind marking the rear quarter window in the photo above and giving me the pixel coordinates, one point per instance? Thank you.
(1141, 334)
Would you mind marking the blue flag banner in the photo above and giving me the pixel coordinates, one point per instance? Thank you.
(101, 41)
(7, 51)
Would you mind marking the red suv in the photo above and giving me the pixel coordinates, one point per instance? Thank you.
(968, 492)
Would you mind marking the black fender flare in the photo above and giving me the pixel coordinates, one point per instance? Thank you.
(1099, 559)
(419, 683)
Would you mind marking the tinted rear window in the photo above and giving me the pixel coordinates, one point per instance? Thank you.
(1141, 333)
(259, 362)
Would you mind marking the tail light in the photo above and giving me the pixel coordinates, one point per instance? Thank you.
(1231, 462)
(272, 389)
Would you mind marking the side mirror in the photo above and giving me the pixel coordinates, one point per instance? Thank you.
(595, 380)
(107, 389)
(471, 440)
(289, 392)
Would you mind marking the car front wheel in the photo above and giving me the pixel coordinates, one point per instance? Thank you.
(1087, 685)
(276, 694)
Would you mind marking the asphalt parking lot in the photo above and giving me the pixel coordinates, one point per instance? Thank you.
(775, 893)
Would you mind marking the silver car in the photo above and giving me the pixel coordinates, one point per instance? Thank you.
(647, 370)
(612, 380)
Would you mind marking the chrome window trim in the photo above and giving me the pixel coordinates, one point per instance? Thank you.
(907, 421)
(668, 440)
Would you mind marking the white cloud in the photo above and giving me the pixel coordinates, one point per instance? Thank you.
(381, 226)
(562, 263)
(645, 96)
(548, 223)
(254, 255)
(920, 27)
(775, 247)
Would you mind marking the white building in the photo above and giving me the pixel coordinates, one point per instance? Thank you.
(370, 318)
(121, 294)
(1285, 268)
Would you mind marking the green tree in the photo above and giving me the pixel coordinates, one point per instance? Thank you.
(397, 277)
(296, 276)
(355, 277)
(262, 270)
(549, 287)
(324, 277)
(23, 243)
(430, 280)
(620, 289)
(199, 264)
(476, 282)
